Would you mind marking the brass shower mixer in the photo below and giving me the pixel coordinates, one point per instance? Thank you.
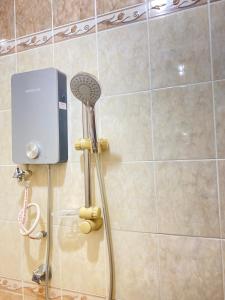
(86, 144)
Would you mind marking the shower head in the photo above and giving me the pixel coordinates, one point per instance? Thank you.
(86, 88)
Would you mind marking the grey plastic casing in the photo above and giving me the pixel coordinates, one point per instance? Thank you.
(39, 116)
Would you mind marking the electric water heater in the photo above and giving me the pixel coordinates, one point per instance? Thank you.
(39, 117)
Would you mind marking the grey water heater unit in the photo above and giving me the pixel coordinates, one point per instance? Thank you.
(39, 117)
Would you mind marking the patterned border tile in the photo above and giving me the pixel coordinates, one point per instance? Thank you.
(122, 17)
(11, 285)
(33, 290)
(74, 30)
(7, 47)
(69, 295)
(34, 40)
(163, 7)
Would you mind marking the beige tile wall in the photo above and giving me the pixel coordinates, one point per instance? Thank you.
(163, 111)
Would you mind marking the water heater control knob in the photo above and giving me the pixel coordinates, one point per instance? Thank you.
(32, 150)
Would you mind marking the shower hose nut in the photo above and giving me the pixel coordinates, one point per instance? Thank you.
(90, 225)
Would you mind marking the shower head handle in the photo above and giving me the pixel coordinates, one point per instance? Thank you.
(92, 128)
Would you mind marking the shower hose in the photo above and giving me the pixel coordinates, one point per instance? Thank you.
(107, 226)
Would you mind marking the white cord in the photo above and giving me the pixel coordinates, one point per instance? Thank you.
(22, 216)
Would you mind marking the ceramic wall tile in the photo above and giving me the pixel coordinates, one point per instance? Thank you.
(5, 133)
(187, 201)
(10, 250)
(183, 123)
(32, 18)
(219, 93)
(176, 60)
(34, 59)
(10, 296)
(105, 6)
(221, 168)
(13, 194)
(131, 206)
(65, 11)
(79, 55)
(82, 255)
(8, 68)
(190, 268)
(123, 59)
(126, 123)
(218, 39)
(135, 278)
(7, 20)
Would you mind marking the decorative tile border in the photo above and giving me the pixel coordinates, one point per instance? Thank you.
(32, 290)
(163, 7)
(118, 18)
(10, 285)
(68, 295)
(33, 41)
(122, 17)
(7, 47)
(74, 30)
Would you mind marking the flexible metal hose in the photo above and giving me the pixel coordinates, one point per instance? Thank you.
(48, 241)
(107, 226)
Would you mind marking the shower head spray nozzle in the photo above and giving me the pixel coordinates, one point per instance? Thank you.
(86, 88)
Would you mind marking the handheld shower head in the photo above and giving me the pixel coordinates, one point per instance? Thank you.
(86, 88)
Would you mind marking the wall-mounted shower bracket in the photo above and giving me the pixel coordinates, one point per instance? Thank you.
(86, 144)
(92, 219)
(90, 213)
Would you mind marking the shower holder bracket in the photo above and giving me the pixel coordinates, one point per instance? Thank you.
(90, 213)
(86, 144)
(92, 219)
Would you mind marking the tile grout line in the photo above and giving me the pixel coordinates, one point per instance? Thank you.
(53, 37)
(153, 151)
(16, 68)
(216, 145)
(162, 88)
(111, 162)
(156, 233)
(56, 194)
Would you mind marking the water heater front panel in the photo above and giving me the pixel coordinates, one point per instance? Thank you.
(39, 117)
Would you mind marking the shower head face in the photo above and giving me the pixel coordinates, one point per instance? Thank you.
(86, 88)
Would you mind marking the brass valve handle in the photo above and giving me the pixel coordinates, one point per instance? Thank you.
(90, 225)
